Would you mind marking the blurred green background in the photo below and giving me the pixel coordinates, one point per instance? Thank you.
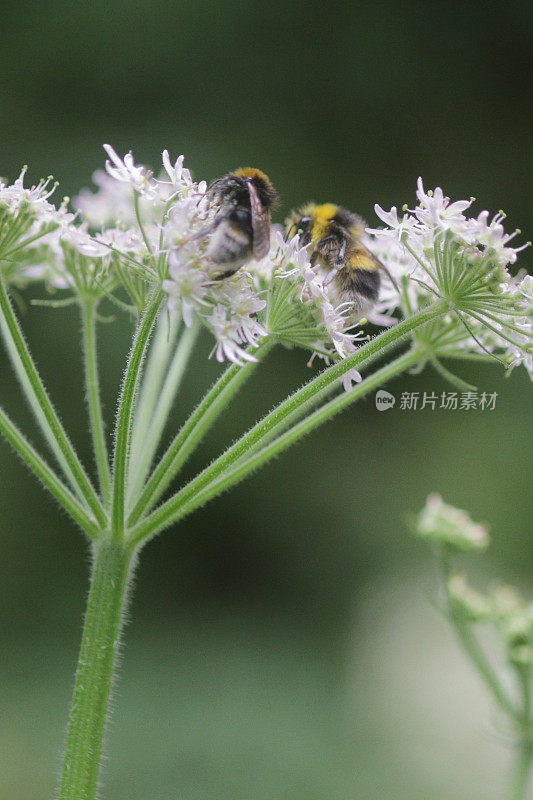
(281, 642)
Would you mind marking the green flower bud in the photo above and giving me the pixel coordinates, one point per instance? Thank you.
(467, 602)
(442, 523)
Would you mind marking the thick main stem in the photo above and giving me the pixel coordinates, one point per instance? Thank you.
(98, 652)
(93, 398)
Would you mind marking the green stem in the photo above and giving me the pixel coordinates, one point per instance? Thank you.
(225, 472)
(194, 430)
(42, 407)
(139, 222)
(476, 655)
(522, 769)
(194, 427)
(126, 409)
(47, 476)
(450, 377)
(167, 396)
(89, 307)
(90, 702)
(471, 645)
(152, 379)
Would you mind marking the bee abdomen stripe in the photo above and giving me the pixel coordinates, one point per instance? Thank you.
(361, 260)
(360, 282)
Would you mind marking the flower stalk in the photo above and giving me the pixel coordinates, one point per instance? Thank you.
(126, 411)
(193, 431)
(42, 407)
(378, 346)
(47, 476)
(451, 532)
(233, 466)
(167, 395)
(92, 384)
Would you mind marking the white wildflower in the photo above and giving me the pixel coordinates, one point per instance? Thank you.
(127, 171)
(435, 209)
(229, 338)
(444, 253)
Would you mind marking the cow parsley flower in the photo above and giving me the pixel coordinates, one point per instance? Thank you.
(126, 171)
(112, 202)
(27, 217)
(450, 526)
(442, 252)
(229, 335)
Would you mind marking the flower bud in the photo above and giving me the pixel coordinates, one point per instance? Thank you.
(514, 618)
(439, 522)
(466, 602)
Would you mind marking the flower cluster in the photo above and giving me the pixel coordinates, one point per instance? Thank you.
(26, 216)
(139, 230)
(444, 252)
(163, 219)
(501, 606)
(446, 525)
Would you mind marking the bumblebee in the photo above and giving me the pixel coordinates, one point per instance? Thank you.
(333, 235)
(241, 228)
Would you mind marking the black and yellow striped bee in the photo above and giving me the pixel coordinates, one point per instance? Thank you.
(241, 228)
(333, 235)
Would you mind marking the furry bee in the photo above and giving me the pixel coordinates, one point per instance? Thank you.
(333, 235)
(241, 228)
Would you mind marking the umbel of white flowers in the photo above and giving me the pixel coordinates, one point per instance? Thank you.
(135, 232)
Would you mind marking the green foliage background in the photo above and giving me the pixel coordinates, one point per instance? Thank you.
(281, 642)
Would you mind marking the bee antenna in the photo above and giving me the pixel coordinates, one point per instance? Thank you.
(289, 231)
(295, 225)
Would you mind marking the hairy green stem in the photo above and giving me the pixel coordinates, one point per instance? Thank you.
(42, 407)
(94, 675)
(47, 476)
(176, 371)
(89, 308)
(377, 346)
(522, 769)
(194, 430)
(126, 410)
(152, 379)
(226, 472)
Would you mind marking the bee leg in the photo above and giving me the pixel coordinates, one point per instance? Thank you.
(337, 264)
(225, 275)
(199, 234)
(331, 276)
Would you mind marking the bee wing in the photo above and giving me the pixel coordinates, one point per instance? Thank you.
(260, 224)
